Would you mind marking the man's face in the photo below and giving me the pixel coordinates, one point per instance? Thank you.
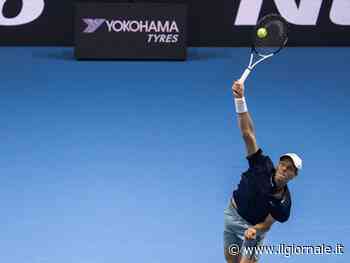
(285, 171)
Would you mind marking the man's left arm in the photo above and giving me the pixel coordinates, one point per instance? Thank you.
(280, 206)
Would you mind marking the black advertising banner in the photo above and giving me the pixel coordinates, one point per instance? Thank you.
(130, 31)
(209, 23)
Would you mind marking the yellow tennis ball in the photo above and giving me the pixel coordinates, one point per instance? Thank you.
(262, 32)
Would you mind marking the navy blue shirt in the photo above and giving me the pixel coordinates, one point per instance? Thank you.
(253, 195)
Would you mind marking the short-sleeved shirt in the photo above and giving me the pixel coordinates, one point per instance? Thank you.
(254, 194)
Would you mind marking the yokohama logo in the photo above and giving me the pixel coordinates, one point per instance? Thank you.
(92, 24)
(306, 13)
(131, 26)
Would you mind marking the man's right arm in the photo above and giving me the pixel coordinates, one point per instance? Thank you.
(245, 122)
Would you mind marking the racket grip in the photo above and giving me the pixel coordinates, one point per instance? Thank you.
(245, 75)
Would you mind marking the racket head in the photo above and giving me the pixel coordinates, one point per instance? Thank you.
(277, 35)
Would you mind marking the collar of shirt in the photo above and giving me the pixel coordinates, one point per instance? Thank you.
(273, 183)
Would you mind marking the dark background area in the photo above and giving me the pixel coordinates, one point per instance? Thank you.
(210, 23)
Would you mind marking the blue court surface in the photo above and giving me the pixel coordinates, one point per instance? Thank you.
(134, 161)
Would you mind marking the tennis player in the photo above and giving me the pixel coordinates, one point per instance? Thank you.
(262, 196)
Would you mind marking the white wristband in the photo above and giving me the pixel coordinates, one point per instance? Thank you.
(241, 105)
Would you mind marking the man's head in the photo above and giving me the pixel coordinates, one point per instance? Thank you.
(287, 168)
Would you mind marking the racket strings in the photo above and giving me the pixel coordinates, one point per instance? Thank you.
(276, 37)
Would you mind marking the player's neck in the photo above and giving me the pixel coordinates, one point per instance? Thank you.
(278, 187)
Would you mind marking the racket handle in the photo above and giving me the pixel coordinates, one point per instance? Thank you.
(245, 75)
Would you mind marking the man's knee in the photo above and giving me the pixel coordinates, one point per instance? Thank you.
(247, 260)
(231, 258)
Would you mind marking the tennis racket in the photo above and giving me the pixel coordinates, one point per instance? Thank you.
(265, 47)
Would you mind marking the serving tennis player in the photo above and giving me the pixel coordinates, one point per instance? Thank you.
(262, 196)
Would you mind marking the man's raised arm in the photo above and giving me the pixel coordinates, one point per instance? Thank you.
(245, 122)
